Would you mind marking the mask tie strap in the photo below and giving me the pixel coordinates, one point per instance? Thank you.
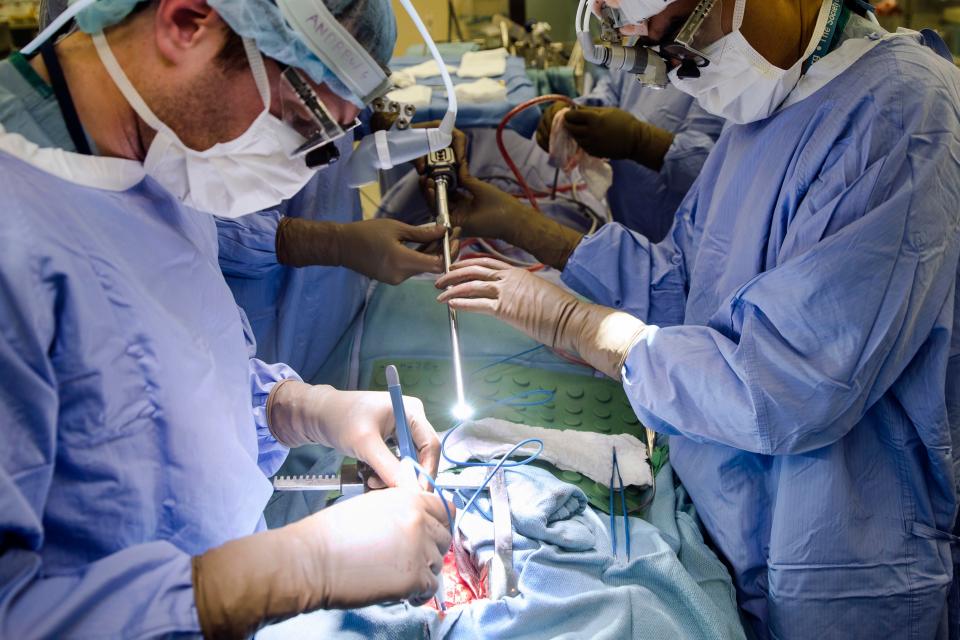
(259, 70)
(738, 10)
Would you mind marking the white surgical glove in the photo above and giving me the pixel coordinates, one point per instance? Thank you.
(545, 312)
(355, 423)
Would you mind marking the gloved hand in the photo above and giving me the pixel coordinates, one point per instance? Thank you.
(602, 336)
(355, 423)
(382, 546)
(482, 210)
(374, 248)
(546, 124)
(608, 132)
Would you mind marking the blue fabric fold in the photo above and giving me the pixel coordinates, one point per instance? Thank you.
(571, 585)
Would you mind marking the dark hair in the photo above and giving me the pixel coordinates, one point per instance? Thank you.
(233, 56)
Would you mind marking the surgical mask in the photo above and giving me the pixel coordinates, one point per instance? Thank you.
(739, 84)
(252, 172)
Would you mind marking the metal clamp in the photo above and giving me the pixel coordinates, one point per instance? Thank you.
(501, 578)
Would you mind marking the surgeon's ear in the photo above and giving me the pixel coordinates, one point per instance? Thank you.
(185, 28)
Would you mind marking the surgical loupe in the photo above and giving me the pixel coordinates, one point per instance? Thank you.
(650, 63)
(304, 112)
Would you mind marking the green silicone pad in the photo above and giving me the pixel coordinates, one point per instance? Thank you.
(579, 403)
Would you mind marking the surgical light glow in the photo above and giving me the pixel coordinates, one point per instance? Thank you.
(462, 411)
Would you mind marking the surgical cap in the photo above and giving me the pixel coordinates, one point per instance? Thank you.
(370, 22)
(636, 11)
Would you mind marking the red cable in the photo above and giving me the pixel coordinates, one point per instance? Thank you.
(481, 254)
(523, 106)
(570, 358)
(543, 194)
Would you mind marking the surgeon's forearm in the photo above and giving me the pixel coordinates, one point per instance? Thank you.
(293, 413)
(650, 145)
(304, 243)
(602, 336)
(547, 240)
(259, 579)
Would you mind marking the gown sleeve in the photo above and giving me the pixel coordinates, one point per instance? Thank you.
(692, 143)
(620, 268)
(606, 93)
(142, 591)
(247, 245)
(806, 347)
(263, 378)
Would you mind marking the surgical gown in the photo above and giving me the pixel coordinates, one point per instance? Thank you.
(132, 413)
(804, 358)
(640, 198)
(299, 316)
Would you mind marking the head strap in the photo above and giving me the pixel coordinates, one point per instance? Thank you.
(336, 48)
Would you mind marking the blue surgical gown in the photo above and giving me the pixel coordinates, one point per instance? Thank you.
(805, 356)
(640, 198)
(131, 410)
(299, 316)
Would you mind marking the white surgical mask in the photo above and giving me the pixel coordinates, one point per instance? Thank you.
(739, 84)
(230, 179)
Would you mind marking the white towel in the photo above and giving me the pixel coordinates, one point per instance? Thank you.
(483, 64)
(417, 95)
(566, 154)
(402, 80)
(585, 452)
(427, 69)
(482, 91)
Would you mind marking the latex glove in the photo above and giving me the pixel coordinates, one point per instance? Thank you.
(376, 248)
(355, 423)
(382, 546)
(482, 210)
(608, 132)
(546, 125)
(602, 336)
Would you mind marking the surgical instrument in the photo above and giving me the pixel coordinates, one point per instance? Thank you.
(441, 167)
(349, 482)
(615, 473)
(408, 451)
(404, 439)
(501, 578)
(387, 149)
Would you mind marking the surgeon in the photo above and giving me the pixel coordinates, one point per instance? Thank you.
(657, 141)
(298, 315)
(796, 335)
(139, 431)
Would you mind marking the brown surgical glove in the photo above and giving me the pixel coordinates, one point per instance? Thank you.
(484, 211)
(379, 547)
(608, 132)
(376, 248)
